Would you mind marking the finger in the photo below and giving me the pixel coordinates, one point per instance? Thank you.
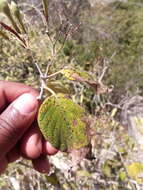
(3, 164)
(31, 143)
(9, 91)
(48, 148)
(41, 164)
(13, 155)
(15, 120)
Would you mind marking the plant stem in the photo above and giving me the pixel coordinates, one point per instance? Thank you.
(52, 75)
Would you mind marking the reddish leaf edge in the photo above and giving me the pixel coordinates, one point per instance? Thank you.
(11, 30)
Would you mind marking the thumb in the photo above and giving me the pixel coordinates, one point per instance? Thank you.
(15, 120)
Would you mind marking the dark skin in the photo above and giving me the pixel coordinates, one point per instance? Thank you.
(19, 132)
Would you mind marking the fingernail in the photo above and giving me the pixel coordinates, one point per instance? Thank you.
(25, 104)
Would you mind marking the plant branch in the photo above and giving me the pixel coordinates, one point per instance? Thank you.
(113, 105)
(38, 11)
(50, 90)
(35, 62)
(47, 68)
(103, 73)
(52, 75)
(66, 38)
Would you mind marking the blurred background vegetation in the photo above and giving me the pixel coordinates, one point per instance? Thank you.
(109, 35)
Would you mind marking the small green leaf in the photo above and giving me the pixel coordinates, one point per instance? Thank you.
(84, 77)
(62, 123)
(122, 175)
(74, 75)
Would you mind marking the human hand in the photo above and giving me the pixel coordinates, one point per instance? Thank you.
(19, 133)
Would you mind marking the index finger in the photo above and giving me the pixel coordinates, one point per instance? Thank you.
(9, 91)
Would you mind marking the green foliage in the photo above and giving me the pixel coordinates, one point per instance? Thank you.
(127, 28)
(62, 123)
(73, 74)
(82, 53)
(5, 9)
(16, 12)
(67, 50)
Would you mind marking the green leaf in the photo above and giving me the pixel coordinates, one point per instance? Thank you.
(122, 175)
(84, 77)
(45, 7)
(16, 12)
(74, 75)
(62, 123)
(57, 87)
(8, 28)
(4, 8)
